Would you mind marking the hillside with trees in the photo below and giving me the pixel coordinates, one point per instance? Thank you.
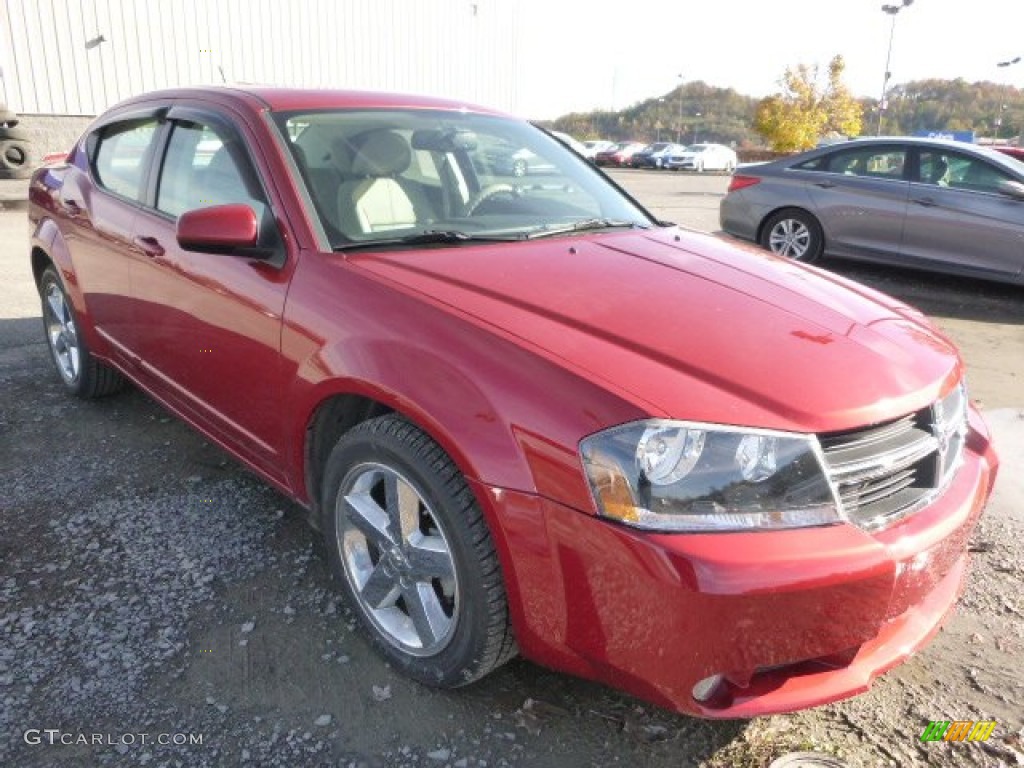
(691, 112)
(723, 115)
(950, 105)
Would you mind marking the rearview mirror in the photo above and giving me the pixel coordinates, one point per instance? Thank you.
(435, 140)
(218, 228)
(1012, 188)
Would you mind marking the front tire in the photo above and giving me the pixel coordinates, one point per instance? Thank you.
(793, 234)
(81, 373)
(416, 562)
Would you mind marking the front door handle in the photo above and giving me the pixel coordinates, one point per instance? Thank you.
(149, 246)
(825, 184)
(927, 202)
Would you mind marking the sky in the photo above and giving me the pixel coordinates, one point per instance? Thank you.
(577, 56)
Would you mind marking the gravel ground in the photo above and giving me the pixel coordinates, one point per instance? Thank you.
(151, 586)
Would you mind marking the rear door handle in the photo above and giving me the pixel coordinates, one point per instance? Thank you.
(825, 184)
(927, 202)
(70, 206)
(149, 246)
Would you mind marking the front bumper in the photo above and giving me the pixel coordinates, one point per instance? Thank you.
(789, 619)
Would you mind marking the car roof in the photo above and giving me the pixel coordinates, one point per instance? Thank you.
(916, 141)
(280, 99)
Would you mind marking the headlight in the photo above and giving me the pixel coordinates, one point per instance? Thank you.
(680, 476)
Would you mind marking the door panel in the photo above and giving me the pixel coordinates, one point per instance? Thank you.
(861, 200)
(959, 220)
(210, 323)
(102, 207)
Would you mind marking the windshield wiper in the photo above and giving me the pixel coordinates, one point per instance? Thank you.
(585, 225)
(428, 237)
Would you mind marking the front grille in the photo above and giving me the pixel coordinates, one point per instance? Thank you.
(886, 471)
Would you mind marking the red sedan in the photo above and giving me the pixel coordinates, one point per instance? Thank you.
(526, 416)
(1014, 152)
(618, 155)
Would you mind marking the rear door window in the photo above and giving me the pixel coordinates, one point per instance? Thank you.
(870, 162)
(122, 157)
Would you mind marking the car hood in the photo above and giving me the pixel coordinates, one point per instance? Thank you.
(688, 326)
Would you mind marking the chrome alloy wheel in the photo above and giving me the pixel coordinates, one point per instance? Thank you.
(61, 333)
(397, 559)
(790, 238)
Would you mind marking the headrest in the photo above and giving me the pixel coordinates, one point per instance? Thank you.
(221, 162)
(384, 153)
(341, 155)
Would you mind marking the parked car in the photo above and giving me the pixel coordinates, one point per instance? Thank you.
(930, 204)
(504, 159)
(703, 157)
(653, 155)
(570, 142)
(514, 410)
(596, 145)
(618, 154)
(1015, 152)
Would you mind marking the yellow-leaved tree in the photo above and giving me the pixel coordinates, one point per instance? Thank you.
(803, 111)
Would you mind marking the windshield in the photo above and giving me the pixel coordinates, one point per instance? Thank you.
(415, 176)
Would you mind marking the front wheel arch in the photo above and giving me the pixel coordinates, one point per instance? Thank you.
(471, 604)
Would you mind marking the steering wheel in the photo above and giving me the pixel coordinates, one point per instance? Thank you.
(487, 193)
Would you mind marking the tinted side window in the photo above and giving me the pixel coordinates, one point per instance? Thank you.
(204, 167)
(814, 164)
(872, 162)
(122, 156)
(950, 169)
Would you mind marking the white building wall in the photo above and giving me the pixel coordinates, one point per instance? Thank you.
(452, 48)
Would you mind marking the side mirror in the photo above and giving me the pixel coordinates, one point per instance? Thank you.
(220, 228)
(1013, 189)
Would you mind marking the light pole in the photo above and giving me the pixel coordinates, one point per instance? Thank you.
(658, 121)
(892, 10)
(696, 116)
(1007, 63)
(679, 131)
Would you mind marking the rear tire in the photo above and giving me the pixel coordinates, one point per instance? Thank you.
(82, 374)
(410, 547)
(793, 234)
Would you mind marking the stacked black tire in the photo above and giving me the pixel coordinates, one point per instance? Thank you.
(15, 155)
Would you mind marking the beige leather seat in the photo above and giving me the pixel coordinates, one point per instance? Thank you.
(378, 200)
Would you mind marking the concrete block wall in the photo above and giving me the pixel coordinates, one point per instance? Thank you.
(52, 133)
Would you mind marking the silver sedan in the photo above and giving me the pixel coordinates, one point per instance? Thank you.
(929, 204)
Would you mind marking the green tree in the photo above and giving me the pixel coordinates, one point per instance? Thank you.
(843, 112)
(796, 118)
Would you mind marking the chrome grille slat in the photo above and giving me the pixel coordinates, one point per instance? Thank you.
(885, 471)
(874, 492)
(867, 436)
(884, 464)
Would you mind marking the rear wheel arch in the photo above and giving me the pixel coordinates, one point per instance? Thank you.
(40, 261)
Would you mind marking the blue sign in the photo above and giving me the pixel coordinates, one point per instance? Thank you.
(966, 136)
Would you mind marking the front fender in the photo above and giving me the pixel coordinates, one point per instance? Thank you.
(508, 416)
